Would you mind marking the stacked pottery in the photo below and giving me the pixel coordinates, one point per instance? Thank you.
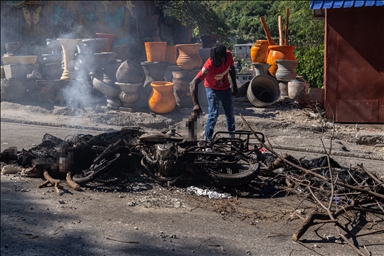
(129, 77)
(20, 72)
(189, 62)
(51, 63)
(285, 73)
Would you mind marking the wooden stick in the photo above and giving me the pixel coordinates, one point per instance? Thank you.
(71, 183)
(266, 31)
(286, 25)
(280, 23)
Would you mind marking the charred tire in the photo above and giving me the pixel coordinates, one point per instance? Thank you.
(105, 165)
(236, 179)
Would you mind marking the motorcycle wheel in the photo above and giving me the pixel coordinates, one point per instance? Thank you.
(104, 166)
(228, 170)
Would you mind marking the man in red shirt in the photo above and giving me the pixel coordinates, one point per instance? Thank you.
(218, 88)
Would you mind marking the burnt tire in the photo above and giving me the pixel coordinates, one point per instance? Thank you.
(105, 165)
(245, 176)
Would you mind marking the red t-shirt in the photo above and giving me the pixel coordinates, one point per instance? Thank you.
(216, 77)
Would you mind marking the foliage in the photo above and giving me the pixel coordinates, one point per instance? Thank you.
(198, 15)
(306, 34)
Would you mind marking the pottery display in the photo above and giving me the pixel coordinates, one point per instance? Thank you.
(277, 52)
(110, 37)
(92, 64)
(129, 72)
(68, 46)
(13, 48)
(129, 94)
(285, 70)
(155, 51)
(258, 53)
(263, 91)
(54, 45)
(28, 59)
(50, 58)
(260, 68)
(19, 70)
(107, 90)
(161, 100)
(109, 71)
(92, 45)
(297, 91)
(181, 91)
(283, 86)
(171, 54)
(265, 43)
(189, 57)
(34, 75)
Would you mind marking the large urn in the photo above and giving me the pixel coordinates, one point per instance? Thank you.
(277, 52)
(189, 57)
(162, 100)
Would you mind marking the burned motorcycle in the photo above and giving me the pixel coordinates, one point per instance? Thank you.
(228, 159)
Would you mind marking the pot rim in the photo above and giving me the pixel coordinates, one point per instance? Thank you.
(161, 83)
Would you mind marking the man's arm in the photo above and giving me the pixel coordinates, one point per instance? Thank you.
(194, 89)
(232, 73)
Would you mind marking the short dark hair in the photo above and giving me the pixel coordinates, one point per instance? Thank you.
(218, 54)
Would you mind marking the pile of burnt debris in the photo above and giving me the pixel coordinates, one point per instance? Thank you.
(336, 191)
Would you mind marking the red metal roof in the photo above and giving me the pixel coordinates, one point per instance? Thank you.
(327, 4)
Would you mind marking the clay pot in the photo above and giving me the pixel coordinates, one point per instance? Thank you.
(54, 45)
(109, 71)
(266, 44)
(259, 53)
(277, 52)
(13, 48)
(129, 72)
(286, 70)
(283, 89)
(208, 40)
(263, 91)
(155, 51)
(181, 80)
(107, 90)
(162, 100)
(128, 93)
(260, 68)
(110, 37)
(171, 54)
(92, 45)
(189, 57)
(297, 91)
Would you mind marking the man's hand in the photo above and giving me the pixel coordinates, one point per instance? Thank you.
(197, 109)
(234, 91)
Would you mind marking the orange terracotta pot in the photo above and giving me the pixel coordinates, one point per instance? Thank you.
(110, 37)
(189, 57)
(266, 44)
(171, 54)
(155, 51)
(258, 53)
(277, 52)
(162, 100)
